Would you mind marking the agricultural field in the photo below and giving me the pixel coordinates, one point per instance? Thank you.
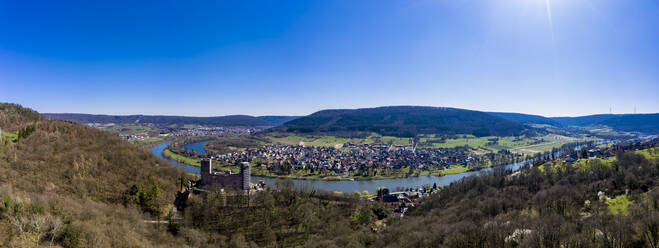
(519, 144)
(180, 158)
(334, 141)
(305, 140)
(548, 142)
(138, 134)
(127, 129)
(607, 131)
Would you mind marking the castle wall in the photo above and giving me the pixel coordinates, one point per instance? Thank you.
(234, 181)
(240, 181)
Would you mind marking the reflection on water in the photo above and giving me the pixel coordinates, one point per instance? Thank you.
(196, 147)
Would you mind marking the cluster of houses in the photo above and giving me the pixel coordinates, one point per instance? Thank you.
(590, 154)
(214, 131)
(350, 157)
(401, 202)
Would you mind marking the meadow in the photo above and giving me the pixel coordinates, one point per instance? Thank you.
(518, 144)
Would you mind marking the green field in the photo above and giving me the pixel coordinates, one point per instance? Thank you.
(454, 170)
(180, 158)
(607, 131)
(298, 174)
(520, 144)
(127, 129)
(549, 142)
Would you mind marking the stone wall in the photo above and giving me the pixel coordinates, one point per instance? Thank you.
(225, 180)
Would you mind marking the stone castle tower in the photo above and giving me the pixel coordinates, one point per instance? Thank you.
(225, 180)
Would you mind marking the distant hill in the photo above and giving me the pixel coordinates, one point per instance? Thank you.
(527, 119)
(163, 120)
(278, 120)
(645, 123)
(404, 121)
(587, 120)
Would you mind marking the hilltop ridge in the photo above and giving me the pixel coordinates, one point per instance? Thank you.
(163, 120)
(646, 123)
(527, 118)
(404, 121)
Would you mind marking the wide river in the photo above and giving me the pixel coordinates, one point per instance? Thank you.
(343, 186)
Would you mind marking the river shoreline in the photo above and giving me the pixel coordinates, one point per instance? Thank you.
(187, 160)
(369, 185)
(350, 186)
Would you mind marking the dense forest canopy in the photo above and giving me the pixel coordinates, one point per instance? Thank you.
(645, 123)
(405, 121)
(527, 119)
(277, 120)
(587, 120)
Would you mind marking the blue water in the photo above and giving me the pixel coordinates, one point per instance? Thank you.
(196, 147)
(347, 186)
(157, 150)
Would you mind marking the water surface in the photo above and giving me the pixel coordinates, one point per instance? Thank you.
(197, 147)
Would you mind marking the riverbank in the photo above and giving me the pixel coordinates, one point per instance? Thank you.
(180, 158)
(260, 171)
(371, 185)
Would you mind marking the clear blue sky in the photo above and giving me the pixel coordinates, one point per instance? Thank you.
(554, 58)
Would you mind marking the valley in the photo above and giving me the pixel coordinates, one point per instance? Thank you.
(329, 124)
(358, 155)
(362, 201)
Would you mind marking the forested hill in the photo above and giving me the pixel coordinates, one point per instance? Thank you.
(587, 120)
(75, 186)
(163, 120)
(527, 119)
(645, 123)
(277, 120)
(404, 121)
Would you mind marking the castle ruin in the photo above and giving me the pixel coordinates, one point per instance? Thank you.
(225, 180)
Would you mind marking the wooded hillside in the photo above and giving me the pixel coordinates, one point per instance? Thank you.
(405, 121)
(67, 184)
